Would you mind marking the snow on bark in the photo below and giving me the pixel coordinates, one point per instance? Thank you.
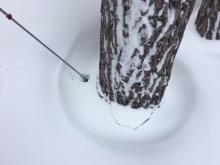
(208, 19)
(138, 43)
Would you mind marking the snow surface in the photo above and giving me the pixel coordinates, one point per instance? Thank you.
(34, 127)
(114, 124)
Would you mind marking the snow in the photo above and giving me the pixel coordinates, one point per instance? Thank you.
(110, 122)
(34, 127)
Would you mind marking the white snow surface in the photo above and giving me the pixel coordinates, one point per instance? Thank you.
(34, 125)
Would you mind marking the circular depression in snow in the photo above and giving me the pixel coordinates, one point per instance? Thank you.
(99, 119)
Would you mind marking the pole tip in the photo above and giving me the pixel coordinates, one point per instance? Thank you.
(85, 78)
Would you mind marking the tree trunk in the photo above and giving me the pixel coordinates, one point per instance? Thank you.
(138, 44)
(208, 19)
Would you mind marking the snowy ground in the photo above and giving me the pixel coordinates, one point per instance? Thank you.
(34, 128)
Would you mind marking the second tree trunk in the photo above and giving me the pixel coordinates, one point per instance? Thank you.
(208, 19)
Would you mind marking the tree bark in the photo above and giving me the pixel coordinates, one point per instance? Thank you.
(208, 19)
(138, 43)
